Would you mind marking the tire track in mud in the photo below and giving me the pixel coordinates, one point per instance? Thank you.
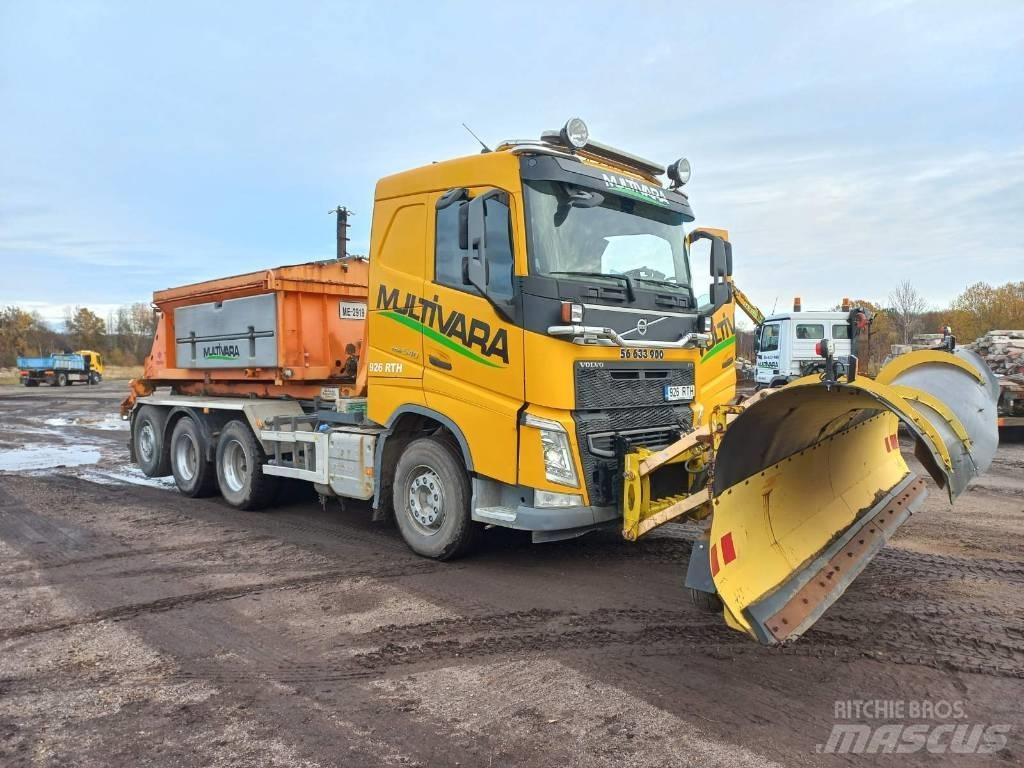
(890, 563)
(904, 561)
(132, 610)
(51, 564)
(271, 523)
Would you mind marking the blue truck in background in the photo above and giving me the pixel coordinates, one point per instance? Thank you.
(61, 369)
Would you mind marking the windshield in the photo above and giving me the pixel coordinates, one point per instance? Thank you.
(603, 235)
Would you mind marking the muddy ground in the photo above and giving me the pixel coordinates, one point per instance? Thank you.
(141, 628)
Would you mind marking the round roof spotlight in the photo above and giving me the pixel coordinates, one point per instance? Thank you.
(575, 134)
(679, 172)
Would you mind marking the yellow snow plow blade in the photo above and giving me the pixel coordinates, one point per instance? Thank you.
(808, 482)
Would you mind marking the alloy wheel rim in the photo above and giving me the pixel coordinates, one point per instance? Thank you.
(186, 457)
(147, 441)
(426, 500)
(235, 466)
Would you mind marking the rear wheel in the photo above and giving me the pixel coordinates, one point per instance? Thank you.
(193, 474)
(431, 500)
(240, 460)
(152, 451)
(62, 380)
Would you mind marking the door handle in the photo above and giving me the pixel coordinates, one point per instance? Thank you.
(444, 365)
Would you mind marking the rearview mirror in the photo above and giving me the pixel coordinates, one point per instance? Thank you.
(476, 240)
(480, 263)
(719, 267)
(720, 295)
(721, 258)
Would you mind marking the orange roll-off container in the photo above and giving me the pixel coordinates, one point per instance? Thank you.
(283, 332)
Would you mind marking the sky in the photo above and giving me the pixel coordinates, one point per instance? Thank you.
(845, 146)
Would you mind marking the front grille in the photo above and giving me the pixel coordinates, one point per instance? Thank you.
(627, 385)
(603, 444)
(621, 405)
(653, 427)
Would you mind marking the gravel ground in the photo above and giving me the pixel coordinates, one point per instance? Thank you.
(141, 628)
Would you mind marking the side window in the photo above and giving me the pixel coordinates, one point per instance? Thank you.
(810, 331)
(770, 338)
(447, 254)
(841, 331)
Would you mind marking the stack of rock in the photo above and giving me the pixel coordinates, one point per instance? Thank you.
(919, 341)
(1003, 351)
(744, 368)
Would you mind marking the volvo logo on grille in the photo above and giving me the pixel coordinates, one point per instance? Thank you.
(641, 326)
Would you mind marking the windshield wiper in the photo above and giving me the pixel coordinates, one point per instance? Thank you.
(669, 283)
(630, 294)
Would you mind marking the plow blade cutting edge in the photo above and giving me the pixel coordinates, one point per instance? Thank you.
(809, 482)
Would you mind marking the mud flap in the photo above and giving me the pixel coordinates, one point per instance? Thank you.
(809, 482)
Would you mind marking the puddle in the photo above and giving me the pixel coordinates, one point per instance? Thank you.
(127, 475)
(110, 422)
(46, 457)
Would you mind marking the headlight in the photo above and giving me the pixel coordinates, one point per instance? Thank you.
(679, 172)
(554, 444)
(575, 133)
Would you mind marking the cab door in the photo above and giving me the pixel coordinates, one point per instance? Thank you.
(768, 353)
(398, 255)
(473, 369)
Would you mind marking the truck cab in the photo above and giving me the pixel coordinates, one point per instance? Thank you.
(537, 304)
(93, 364)
(786, 344)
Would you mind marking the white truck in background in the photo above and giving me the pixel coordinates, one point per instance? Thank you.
(786, 344)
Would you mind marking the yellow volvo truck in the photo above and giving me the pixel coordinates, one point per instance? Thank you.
(528, 347)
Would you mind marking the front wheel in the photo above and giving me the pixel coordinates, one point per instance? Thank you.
(240, 460)
(95, 378)
(431, 500)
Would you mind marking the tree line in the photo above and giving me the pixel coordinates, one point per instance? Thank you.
(979, 309)
(124, 337)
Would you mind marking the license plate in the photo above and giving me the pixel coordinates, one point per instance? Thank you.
(679, 392)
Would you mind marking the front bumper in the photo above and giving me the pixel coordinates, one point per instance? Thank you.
(509, 506)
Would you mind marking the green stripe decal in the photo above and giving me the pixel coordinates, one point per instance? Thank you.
(433, 335)
(718, 348)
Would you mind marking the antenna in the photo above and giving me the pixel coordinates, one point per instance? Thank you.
(342, 214)
(775, 304)
(486, 148)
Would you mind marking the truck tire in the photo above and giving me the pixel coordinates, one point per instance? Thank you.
(193, 474)
(95, 378)
(431, 498)
(240, 460)
(62, 380)
(152, 450)
(706, 601)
